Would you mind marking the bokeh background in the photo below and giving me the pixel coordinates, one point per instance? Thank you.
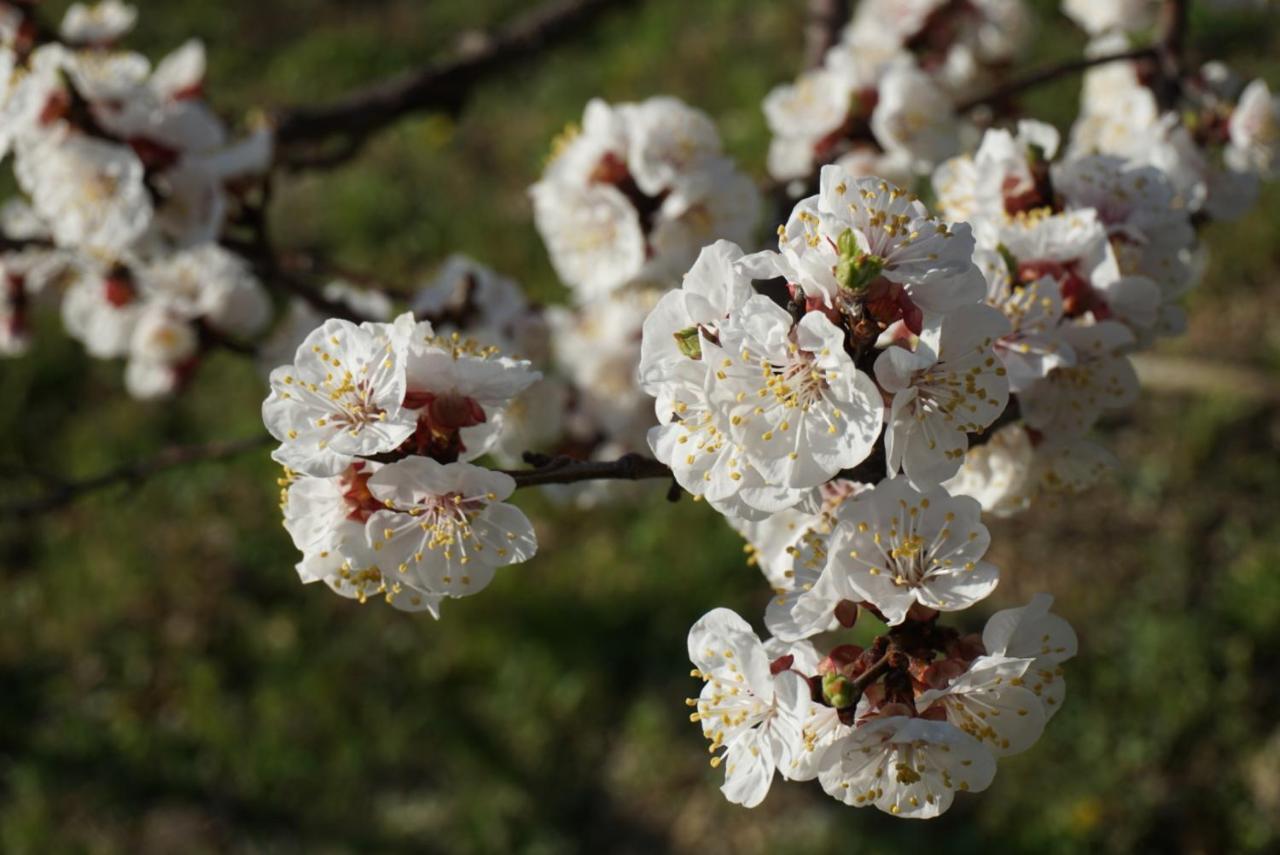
(166, 684)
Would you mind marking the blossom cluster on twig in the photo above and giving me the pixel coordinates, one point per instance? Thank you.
(852, 399)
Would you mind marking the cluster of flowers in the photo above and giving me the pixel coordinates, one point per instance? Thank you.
(883, 101)
(624, 206)
(770, 414)
(899, 373)
(127, 180)
(1009, 318)
(378, 423)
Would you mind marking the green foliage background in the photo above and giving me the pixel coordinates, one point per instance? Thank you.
(166, 684)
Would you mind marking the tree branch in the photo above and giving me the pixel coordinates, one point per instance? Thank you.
(639, 467)
(860, 683)
(61, 492)
(569, 470)
(1170, 51)
(328, 134)
(1047, 75)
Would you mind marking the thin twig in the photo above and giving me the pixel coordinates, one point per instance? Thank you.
(329, 134)
(1047, 75)
(860, 683)
(566, 470)
(1170, 51)
(639, 467)
(62, 492)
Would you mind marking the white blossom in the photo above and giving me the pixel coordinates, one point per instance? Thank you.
(926, 264)
(750, 713)
(1255, 131)
(1072, 398)
(910, 767)
(98, 23)
(1033, 632)
(90, 192)
(326, 517)
(991, 702)
(894, 547)
(951, 385)
(797, 406)
(914, 116)
(998, 473)
(1034, 344)
(342, 398)
(444, 528)
(634, 195)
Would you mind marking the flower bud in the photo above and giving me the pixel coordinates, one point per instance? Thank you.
(838, 691)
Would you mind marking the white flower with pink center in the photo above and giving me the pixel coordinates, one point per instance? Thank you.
(797, 406)
(444, 527)
(895, 547)
(990, 701)
(342, 398)
(951, 385)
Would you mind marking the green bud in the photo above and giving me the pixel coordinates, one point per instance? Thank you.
(838, 690)
(689, 342)
(1035, 153)
(855, 269)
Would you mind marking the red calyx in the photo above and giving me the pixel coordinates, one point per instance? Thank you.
(782, 663)
(361, 503)
(887, 302)
(155, 156)
(440, 420)
(119, 289)
(56, 106)
(613, 170)
(1078, 295)
(845, 659)
(188, 93)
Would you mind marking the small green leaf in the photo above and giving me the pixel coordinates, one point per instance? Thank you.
(855, 269)
(690, 342)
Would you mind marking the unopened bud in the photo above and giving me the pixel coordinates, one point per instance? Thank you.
(838, 691)
(855, 269)
(690, 342)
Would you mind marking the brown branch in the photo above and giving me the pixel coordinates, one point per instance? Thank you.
(1170, 52)
(568, 470)
(1047, 75)
(823, 23)
(638, 467)
(59, 492)
(328, 134)
(860, 683)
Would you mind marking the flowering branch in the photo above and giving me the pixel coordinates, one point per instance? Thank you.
(562, 469)
(329, 134)
(61, 492)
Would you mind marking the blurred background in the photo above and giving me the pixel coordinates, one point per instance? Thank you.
(166, 683)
